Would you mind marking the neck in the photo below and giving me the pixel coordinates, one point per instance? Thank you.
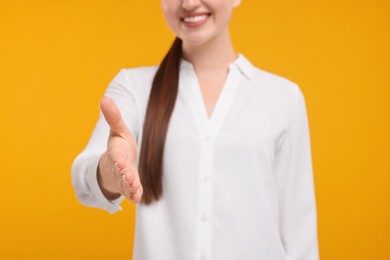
(213, 56)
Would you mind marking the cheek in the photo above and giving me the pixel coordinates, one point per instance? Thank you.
(223, 18)
(222, 10)
(170, 16)
(170, 6)
(173, 23)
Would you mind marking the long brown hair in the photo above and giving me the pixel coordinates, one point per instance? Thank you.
(161, 102)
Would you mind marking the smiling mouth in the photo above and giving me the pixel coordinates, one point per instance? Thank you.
(195, 18)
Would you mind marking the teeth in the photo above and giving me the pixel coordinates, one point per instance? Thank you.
(195, 19)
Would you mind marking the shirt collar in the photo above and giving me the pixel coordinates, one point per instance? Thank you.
(244, 65)
(241, 63)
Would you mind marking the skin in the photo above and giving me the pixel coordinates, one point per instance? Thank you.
(209, 49)
(117, 173)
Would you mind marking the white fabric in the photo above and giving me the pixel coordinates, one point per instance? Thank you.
(236, 186)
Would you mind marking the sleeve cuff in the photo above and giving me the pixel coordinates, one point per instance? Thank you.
(111, 206)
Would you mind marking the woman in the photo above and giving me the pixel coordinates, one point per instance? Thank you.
(224, 170)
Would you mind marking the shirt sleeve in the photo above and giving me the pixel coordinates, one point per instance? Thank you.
(295, 185)
(84, 168)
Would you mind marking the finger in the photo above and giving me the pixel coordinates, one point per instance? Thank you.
(125, 191)
(135, 184)
(131, 177)
(118, 160)
(113, 117)
(136, 197)
(128, 176)
(130, 182)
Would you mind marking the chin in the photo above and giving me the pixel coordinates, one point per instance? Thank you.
(195, 41)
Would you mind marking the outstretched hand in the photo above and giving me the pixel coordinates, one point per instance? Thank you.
(117, 169)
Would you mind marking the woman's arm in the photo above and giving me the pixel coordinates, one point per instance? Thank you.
(295, 185)
(85, 167)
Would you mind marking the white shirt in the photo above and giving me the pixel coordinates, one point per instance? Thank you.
(236, 186)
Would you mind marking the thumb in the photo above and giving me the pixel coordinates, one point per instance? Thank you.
(113, 117)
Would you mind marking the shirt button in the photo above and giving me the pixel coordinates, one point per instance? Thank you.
(203, 218)
(202, 257)
(205, 178)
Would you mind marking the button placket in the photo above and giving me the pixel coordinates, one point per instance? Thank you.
(208, 128)
(205, 194)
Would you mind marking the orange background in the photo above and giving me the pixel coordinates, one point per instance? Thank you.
(57, 58)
